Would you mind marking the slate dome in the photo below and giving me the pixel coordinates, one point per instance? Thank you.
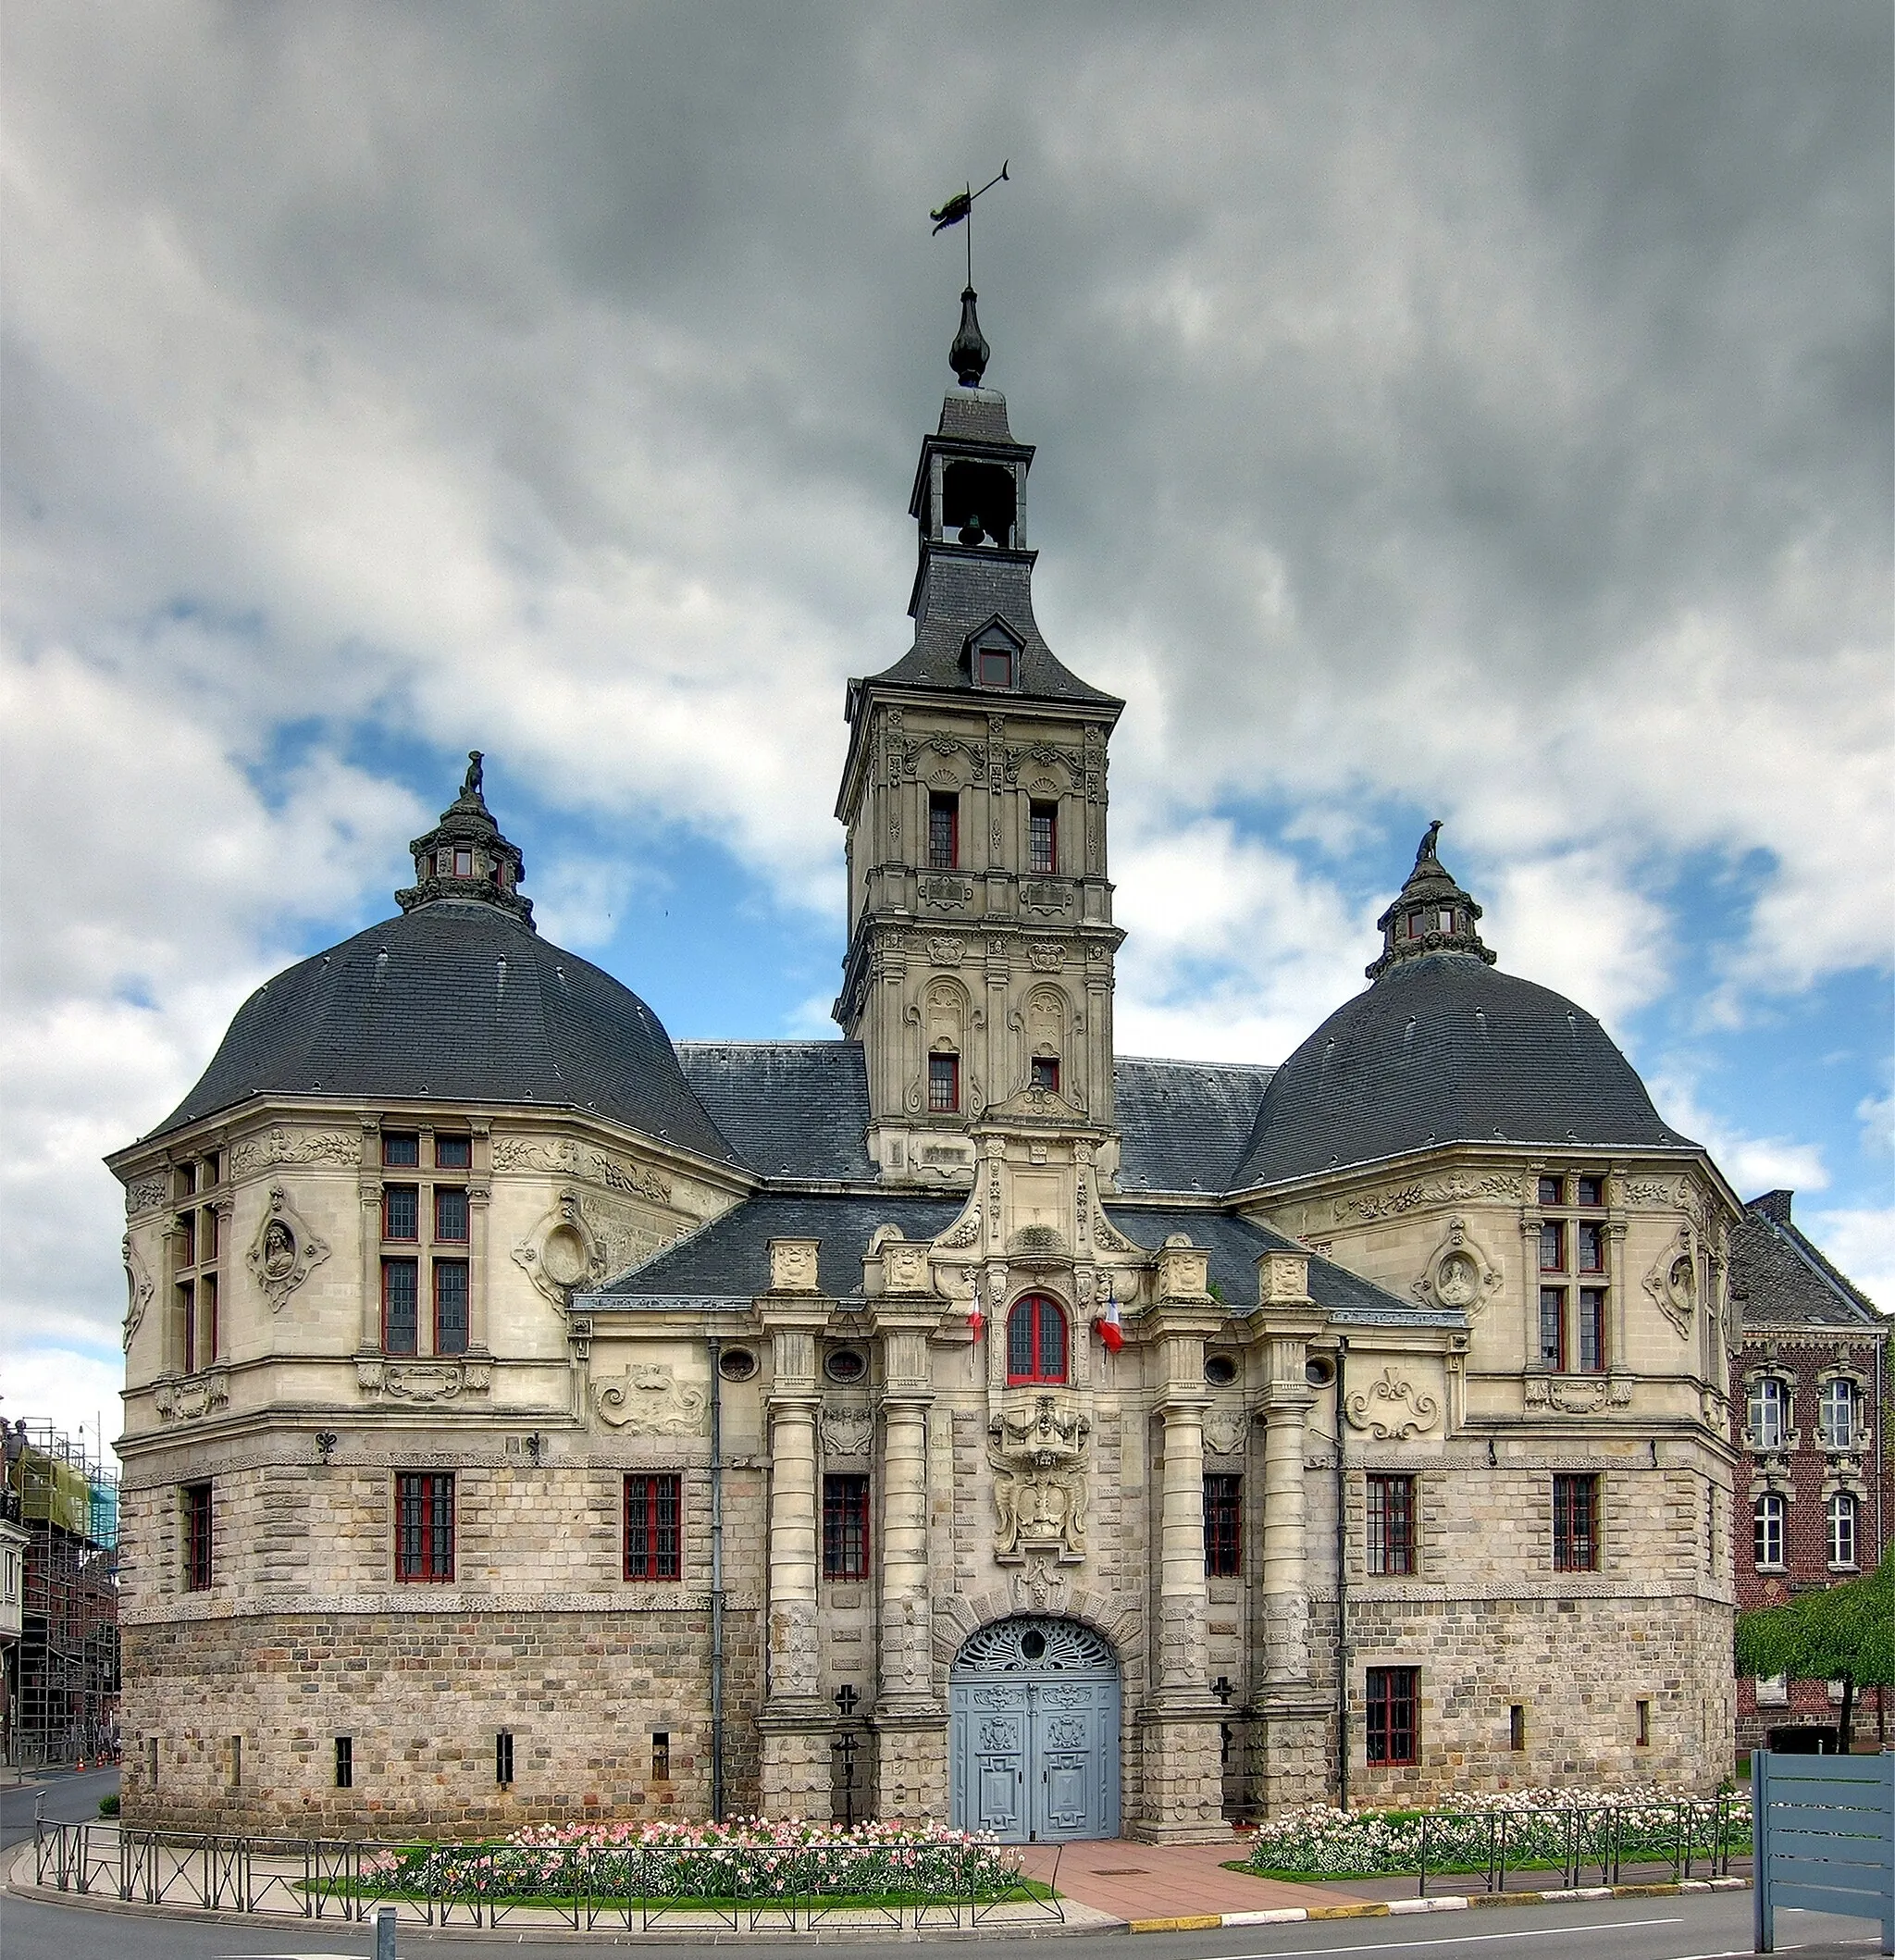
(1444, 1049)
(457, 1001)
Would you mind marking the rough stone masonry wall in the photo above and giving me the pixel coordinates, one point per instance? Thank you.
(1577, 1667)
(422, 1695)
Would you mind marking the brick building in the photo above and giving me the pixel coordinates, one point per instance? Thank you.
(1813, 1397)
(526, 1416)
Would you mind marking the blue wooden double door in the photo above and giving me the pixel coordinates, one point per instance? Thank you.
(1034, 1751)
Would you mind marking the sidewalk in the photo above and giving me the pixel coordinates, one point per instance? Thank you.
(1155, 1882)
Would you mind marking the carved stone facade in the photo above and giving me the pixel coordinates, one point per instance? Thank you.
(471, 1370)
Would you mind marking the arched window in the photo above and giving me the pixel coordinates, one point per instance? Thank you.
(1839, 1414)
(1766, 1413)
(1768, 1521)
(1842, 1528)
(1036, 1341)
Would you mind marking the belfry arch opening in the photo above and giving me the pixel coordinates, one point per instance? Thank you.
(979, 503)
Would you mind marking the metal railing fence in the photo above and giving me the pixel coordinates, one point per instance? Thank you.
(791, 1888)
(1691, 1837)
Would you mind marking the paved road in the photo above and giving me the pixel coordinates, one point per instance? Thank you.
(1697, 1928)
(69, 1800)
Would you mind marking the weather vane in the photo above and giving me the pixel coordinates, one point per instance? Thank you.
(960, 206)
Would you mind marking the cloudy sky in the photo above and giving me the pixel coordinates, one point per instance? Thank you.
(1472, 411)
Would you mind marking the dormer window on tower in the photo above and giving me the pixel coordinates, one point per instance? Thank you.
(993, 656)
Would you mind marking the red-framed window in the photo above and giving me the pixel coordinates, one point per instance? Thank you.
(208, 1330)
(1576, 1524)
(1591, 1239)
(425, 1527)
(944, 830)
(1592, 1191)
(450, 1305)
(1037, 1343)
(1390, 1526)
(187, 1323)
(1553, 1326)
(454, 1153)
(1394, 1711)
(845, 1527)
(450, 1214)
(654, 1525)
(197, 1537)
(401, 1212)
(1045, 1073)
(1552, 1191)
(944, 1084)
(1592, 1330)
(1223, 1525)
(992, 666)
(401, 1147)
(1043, 837)
(1552, 1249)
(401, 1281)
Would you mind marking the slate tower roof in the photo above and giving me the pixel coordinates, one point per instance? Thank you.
(1443, 1049)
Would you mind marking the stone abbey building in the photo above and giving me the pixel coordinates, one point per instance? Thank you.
(529, 1417)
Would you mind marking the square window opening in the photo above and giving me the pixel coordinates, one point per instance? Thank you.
(654, 1507)
(425, 1527)
(1391, 1728)
(454, 1153)
(1046, 1073)
(1391, 1501)
(400, 1148)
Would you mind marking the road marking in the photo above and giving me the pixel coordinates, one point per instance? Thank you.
(1384, 1946)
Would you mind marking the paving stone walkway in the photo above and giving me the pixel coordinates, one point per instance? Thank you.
(1156, 1881)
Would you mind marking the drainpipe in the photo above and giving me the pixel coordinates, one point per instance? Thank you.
(1342, 1595)
(716, 1583)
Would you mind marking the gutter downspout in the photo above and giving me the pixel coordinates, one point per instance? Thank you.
(716, 1582)
(1342, 1595)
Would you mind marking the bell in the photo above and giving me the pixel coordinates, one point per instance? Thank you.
(971, 532)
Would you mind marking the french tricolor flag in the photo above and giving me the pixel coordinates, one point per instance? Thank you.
(1110, 1332)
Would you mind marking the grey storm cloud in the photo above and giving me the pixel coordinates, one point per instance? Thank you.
(1483, 406)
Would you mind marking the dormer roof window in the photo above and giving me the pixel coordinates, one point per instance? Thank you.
(992, 653)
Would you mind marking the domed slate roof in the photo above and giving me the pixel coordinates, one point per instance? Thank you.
(1444, 1049)
(458, 1001)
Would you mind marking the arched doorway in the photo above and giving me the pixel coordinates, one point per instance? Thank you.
(1034, 1733)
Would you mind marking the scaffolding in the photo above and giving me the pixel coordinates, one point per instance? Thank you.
(62, 1697)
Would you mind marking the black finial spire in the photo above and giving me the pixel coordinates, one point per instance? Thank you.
(970, 353)
(466, 857)
(1433, 915)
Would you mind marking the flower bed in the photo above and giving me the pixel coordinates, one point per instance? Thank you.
(1522, 1829)
(744, 1860)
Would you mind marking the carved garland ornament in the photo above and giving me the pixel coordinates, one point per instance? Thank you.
(284, 1252)
(1391, 1409)
(564, 1158)
(145, 1195)
(279, 1145)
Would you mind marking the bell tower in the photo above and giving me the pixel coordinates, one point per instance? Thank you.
(981, 941)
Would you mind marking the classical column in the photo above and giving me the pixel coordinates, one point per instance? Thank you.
(911, 1756)
(1180, 1724)
(795, 1764)
(1182, 1592)
(1285, 1580)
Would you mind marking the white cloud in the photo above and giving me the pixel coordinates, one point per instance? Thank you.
(1752, 1164)
(75, 1389)
(1860, 1243)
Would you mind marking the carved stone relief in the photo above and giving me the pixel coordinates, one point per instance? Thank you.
(1044, 956)
(284, 1252)
(1224, 1431)
(279, 1145)
(1038, 1456)
(966, 1233)
(1673, 1282)
(848, 1430)
(147, 1194)
(793, 1265)
(563, 1252)
(187, 1398)
(648, 1400)
(423, 1381)
(793, 1646)
(1459, 1274)
(1454, 1187)
(1393, 1408)
(138, 1287)
(1578, 1395)
(562, 1157)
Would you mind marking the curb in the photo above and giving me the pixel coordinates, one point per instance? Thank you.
(1446, 1902)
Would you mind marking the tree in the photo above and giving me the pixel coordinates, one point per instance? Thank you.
(1844, 1633)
